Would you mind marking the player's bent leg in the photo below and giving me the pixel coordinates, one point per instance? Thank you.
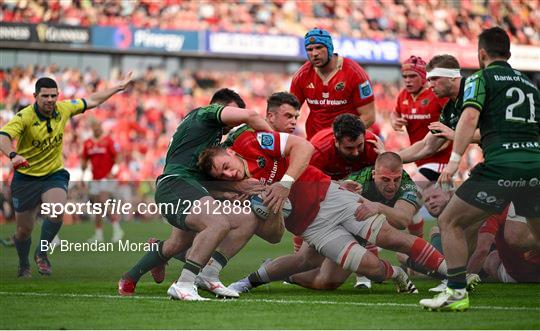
(419, 250)
(243, 227)
(280, 268)
(155, 260)
(329, 276)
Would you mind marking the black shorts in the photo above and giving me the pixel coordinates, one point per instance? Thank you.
(179, 193)
(493, 187)
(26, 190)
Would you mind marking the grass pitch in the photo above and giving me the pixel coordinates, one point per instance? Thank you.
(81, 294)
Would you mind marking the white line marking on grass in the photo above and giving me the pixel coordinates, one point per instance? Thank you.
(278, 301)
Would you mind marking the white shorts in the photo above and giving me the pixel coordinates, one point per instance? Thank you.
(335, 225)
(95, 187)
(503, 274)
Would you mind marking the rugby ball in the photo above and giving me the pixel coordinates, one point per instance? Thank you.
(261, 210)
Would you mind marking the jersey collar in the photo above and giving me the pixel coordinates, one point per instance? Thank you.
(500, 63)
(43, 117)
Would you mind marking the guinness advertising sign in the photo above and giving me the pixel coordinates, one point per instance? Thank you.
(44, 33)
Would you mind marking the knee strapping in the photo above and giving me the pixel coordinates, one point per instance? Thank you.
(352, 256)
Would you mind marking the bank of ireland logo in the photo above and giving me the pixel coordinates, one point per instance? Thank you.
(122, 37)
(325, 95)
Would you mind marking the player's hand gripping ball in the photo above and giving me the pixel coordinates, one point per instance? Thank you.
(262, 211)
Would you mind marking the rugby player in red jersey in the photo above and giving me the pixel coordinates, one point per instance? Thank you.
(331, 85)
(101, 151)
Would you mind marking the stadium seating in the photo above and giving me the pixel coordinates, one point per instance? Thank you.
(435, 20)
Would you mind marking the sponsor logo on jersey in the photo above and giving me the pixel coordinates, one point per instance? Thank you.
(413, 110)
(310, 85)
(325, 95)
(406, 102)
(425, 102)
(365, 90)
(340, 86)
(73, 101)
(266, 140)
(261, 162)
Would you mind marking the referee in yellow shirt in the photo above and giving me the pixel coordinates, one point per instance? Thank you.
(40, 176)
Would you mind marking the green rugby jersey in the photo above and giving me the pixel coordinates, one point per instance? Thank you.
(407, 191)
(200, 129)
(452, 109)
(509, 106)
(233, 135)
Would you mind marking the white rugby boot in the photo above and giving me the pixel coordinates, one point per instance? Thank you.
(184, 291)
(241, 286)
(215, 286)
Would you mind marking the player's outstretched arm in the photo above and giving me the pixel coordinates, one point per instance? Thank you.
(367, 114)
(426, 147)
(233, 116)
(100, 97)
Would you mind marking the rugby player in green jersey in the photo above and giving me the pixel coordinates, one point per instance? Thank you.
(505, 105)
(198, 221)
(39, 175)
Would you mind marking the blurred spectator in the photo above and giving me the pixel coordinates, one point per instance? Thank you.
(433, 20)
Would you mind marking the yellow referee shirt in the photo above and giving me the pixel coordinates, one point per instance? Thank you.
(39, 138)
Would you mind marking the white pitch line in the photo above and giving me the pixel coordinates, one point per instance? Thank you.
(278, 301)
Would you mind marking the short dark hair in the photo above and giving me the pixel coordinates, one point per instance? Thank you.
(495, 42)
(225, 96)
(45, 82)
(347, 125)
(390, 160)
(445, 61)
(206, 158)
(281, 98)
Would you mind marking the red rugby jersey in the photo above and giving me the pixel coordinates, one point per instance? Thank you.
(263, 152)
(327, 159)
(342, 92)
(102, 154)
(419, 112)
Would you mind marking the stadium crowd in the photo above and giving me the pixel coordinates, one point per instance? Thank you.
(433, 20)
(142, 121)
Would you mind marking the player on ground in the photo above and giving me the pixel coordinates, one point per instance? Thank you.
(340, 150)
(386, 189)
(282, 113)
(182, 181)
(516, 258)
(40, 176)
(505, 105)
(331, 85)
(101, 152)
(317, 200)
